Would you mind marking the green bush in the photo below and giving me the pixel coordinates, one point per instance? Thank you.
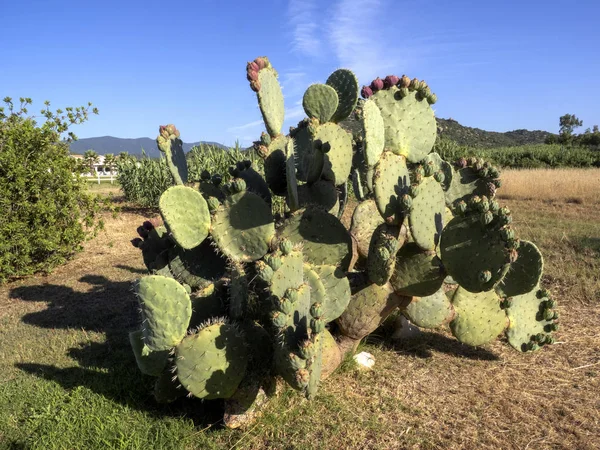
(45, 210)
(525, 156)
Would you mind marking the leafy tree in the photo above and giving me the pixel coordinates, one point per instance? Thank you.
(109, 161)
(568, 123)
(46, 211)
(91, 158)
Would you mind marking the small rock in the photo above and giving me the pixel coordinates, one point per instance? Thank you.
(405, 329)
(365, 360)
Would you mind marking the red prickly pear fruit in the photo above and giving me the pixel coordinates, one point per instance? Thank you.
(491, 187)
(262, 62)
(252, 75)
(513, 255)
(255, 85)
(252, 66)
(377, 84)
(461, 163)
(148, 225)
(137, 242)
(390, 80)
(404, 81)
(366, 92)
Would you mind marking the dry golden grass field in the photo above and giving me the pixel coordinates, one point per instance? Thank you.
(68, 378)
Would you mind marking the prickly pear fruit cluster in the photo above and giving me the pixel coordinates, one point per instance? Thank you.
(237, 295)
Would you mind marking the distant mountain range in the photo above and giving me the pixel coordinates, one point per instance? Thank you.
(447, 128)
(108, 144)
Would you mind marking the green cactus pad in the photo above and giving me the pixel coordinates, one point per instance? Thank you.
(324, 238)
(322, 193)
(374, 133)
(331, 355)
(169, 143)
(275, 166)
(212, 363)
(440, 165)
(186, 215)
(243, 227)
(320, 102)
(208, 303)
(479, 319)
(338, 159)
(426, 216)
(238, 291)
(390, 181)
(166, 310)
(290, 173)
(385, 243)
(365, 220)
(270, 100)
(410, 126)
(289, 276)
(149, 362)
(466, 183)
(310, 157)
(417, 272)
(346, 86)
(254, 182)
(432, 311)
(469, 248)
(167, 390)
(318, 294)
(367, 309)
(526, 318)
(525, 273)
(337, 288)
(197, 267)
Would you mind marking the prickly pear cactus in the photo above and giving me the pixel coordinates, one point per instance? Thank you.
(236, 295)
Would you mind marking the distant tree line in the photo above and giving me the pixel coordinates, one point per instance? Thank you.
(590, 138)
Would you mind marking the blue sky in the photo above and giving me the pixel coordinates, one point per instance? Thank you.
(494, 65)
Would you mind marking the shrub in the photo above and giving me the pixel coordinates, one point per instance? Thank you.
(45, 210)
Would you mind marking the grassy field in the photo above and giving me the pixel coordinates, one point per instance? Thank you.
(68, 378)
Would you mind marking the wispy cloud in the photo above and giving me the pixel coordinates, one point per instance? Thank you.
(305, 30)
(246, 126)
(358, 39)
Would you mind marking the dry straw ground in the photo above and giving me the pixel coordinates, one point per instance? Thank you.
(68, 380)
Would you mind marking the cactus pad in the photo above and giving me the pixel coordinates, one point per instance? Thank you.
(275, 165)
(243, 227)
(337, 144)
(466, 182)
(320, 102)
(186, 215)
(417, 272)
(169, 143)
(367, 309)
(212, 362)
(479, 319)
(149, 362)
(365, 220)
(197, 267)
(469, 249)
(410, 127)
(346, 86)
(525, 273)
(374, 133)
(427, 213)
(166, 310)
(270, 100)
(432, 311)
(208, 303)
(254, 181)
(322, 193)
(385, 243)
(290, 174)
(526, 314)
(390, 181)
(324, 238)
(337, 289)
